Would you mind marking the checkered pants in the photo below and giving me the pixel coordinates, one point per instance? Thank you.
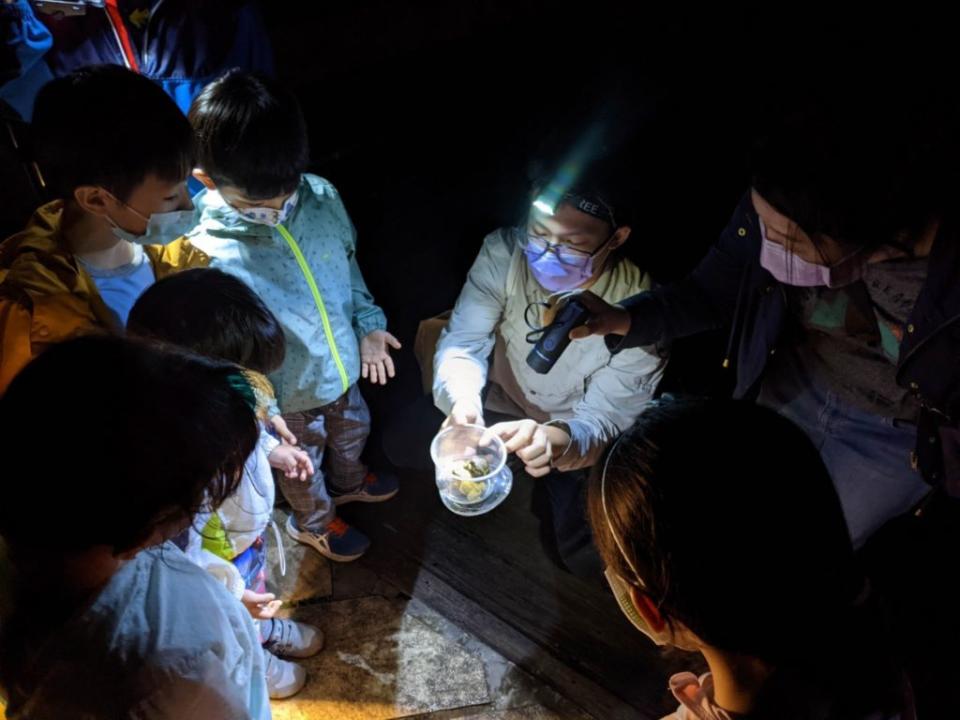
(334, 436)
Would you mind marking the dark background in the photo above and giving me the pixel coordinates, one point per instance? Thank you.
(428, 114)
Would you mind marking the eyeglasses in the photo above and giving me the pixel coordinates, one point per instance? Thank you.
(537, 246)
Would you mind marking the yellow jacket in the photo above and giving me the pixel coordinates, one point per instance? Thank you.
(47, 297)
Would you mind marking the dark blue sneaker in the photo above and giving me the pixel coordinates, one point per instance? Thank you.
(340, 542)
(375, 488)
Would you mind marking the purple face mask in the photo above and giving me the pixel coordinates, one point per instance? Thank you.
(559, 268)
(554, 275)
(791, 269)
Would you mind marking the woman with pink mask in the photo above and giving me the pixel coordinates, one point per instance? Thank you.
(837, 277)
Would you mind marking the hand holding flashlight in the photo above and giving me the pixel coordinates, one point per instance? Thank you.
(604, 319)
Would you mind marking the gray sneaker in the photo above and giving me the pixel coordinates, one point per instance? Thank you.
(341, 542)
(284, 679)
(288, 638)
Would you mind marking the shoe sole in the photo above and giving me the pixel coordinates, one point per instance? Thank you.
(287, 694)
(277, 694)
(329, 554)
(362, 497)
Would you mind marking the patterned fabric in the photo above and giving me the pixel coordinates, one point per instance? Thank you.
(261, 257)
(334, 436)
(219, 536)
(853, 335)
(264, 396)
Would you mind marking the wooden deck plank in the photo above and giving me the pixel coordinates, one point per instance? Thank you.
(491, 575)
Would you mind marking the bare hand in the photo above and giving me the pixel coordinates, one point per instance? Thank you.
(605, 319)
(375, 361)
(531, 442)
(280, 427)
(292, 461)
(261, 606)
(464, 412)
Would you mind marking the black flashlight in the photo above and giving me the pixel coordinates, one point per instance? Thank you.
(556, 337)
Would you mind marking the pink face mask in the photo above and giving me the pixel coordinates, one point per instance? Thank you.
(791, 269)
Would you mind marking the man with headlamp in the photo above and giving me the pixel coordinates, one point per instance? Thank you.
(557, 423)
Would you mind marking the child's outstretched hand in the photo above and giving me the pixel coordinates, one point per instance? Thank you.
(261, 606)
(375, 361)
(293, 461)
(280, 428)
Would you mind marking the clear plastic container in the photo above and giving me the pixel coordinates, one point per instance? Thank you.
(472, 479)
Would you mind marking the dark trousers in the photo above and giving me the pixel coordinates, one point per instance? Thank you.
(912, 563)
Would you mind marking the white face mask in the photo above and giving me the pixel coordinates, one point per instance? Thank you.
(162, 228)
(270, 216)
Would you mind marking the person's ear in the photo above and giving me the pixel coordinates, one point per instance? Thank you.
(620, 236)
(207, 181)
(94, 199)
(648, 610)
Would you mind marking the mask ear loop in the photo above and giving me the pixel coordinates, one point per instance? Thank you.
(116, 225)
(128, 207)
(606, 516)
(606, 512)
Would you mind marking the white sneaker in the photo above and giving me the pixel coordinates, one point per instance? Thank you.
(289, 638)
(284, 679)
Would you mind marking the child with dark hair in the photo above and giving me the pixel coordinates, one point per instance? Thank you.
(79, 265)
(287, 235)
(706, 551)
(105, 618)
(210, 312)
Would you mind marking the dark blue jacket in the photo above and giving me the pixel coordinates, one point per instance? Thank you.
(24, 40)
(729, 288)
(180, 44)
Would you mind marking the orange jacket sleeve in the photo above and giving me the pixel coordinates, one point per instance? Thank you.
(176, 256)
(16, 349)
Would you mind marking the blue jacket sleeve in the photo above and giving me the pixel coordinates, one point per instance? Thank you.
(24, 40)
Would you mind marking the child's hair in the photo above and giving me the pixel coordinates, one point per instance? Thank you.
(108, 126)
(211, 313)
(731, 520)
(251, 135)
(114, 438)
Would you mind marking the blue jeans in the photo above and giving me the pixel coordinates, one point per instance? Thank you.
(867, 455)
